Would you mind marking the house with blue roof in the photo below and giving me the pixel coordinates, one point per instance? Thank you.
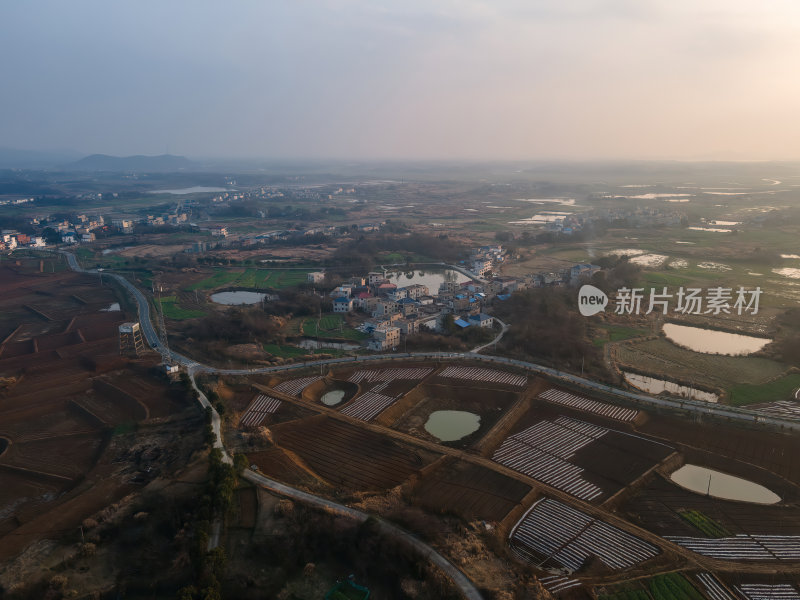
(342, 304)
(481, 320)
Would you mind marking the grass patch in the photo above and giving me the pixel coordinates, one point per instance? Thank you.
(704, 523)
(780, 389)
(331, 326)
(616, 333)
(219, 278)
(285, 351)
(169, 304)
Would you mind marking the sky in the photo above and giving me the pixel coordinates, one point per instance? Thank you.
(404, 79)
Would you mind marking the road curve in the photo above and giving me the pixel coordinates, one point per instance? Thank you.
(467, 588)
(461, 581)
(498, 337)
(696, 406)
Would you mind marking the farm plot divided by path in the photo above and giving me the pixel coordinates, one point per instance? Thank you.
(389, 375)
(760, 591)
(554, 534)
(582, 459)
(471, 491)
(345, 455)
(257, 411)
(486, 375)
(593, 406)
(559, 583)
(713, 588)
(658, 506)
(369, 404)
(294, 387)
(784, 409)
(744, 547)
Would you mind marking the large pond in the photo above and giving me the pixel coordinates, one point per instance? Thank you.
(431, 278)
(237, 297)
(660, 386)
(721, 485)
(192, 190)
(333, 397)
(452, 425)
(710, 341)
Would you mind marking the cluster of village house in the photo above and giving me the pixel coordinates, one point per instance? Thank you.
(394, 312)
(82, 229)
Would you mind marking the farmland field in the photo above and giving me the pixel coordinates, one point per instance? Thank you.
(672, 586)
(346, 456)
(666, 509)
(661, 357)
(75, 447)
(251, 278)
(172, 310)
(488, 402)
(704, 524)
(586, 460)
(470, 491)
(779, 389)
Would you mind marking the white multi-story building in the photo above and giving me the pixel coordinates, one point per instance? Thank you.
(385, 337)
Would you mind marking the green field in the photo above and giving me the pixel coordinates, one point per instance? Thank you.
(332, 326)
(285, 351)
(169, 304)
(660, 357)
(780, 389)
(251, 278)
(615, 333)
(624, 594)
(672, 586)
(704, 523)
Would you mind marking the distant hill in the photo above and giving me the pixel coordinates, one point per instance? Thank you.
(150, 164)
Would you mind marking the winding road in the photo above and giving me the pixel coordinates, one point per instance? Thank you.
(467, 588)
(696, 406)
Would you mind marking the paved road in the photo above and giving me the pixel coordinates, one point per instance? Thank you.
(497, 338)
(695, 406)
(467, 588)
(464, 584)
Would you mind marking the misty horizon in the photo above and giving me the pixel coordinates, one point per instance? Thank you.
(477, 81)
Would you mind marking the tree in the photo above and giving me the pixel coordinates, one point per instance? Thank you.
(240, 463)
(187, 593)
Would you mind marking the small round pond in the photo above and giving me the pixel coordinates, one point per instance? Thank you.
(333, 397)
(721, 485)
(710, 341)
(452, 425)
(236, 297)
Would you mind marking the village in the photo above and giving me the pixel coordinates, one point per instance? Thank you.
(396, 312)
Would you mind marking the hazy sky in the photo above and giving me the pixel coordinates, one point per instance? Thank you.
(495, 79)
